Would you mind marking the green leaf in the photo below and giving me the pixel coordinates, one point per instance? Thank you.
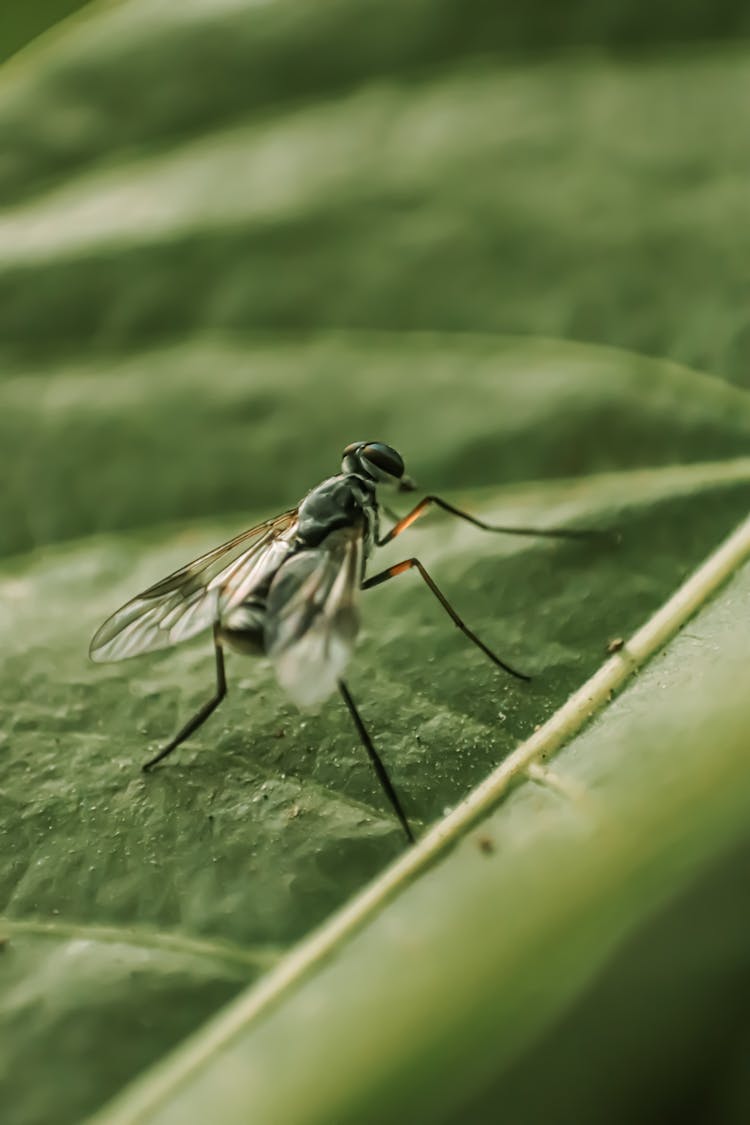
(265, 823)
(20, 23)
(636, 1042)
(264, 54)
(75, 992)
(208, 286)
(580, 198)
(449, 983)
(225, 428)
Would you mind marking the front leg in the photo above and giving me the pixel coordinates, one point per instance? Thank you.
(544, 532)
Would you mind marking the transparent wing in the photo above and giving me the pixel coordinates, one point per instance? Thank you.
(312, 618)
(190, 600)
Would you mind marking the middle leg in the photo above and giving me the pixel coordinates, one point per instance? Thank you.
(409, 564)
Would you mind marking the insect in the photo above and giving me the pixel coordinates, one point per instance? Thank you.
(288, 589)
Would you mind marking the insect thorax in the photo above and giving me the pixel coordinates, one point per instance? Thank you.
(340, 501)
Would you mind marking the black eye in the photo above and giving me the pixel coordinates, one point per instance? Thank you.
(384, 458)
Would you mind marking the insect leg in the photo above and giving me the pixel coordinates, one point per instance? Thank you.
(380, 769)
(544, 532)
(200, 716)
(409, 564)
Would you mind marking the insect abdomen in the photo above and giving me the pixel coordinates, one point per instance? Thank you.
(244, 627)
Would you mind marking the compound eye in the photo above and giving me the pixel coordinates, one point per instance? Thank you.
(353, 448)
(385, 458)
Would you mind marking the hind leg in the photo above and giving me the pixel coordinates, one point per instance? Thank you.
(201, 715)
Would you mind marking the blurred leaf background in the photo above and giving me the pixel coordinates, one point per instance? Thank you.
(513, 240)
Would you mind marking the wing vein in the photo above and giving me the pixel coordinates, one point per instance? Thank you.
(191, 599)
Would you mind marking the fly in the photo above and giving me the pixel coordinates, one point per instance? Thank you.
(288, 589)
